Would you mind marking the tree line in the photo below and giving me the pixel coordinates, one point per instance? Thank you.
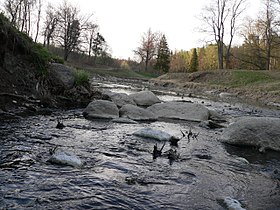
(65, 27)
(221, 21)
(73, 32)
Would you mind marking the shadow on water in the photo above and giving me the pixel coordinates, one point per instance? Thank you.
(119, 171)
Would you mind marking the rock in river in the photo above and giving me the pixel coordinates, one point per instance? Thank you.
(180, 111)
(153, 134)
(101, 109)
(145, 98)
(261, 132)
(124, 120)
(61, 157)
(232, 204)
(121, 99)
(137, 113)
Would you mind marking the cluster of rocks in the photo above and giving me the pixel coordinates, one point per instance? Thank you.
(144, 106)
(260, 132)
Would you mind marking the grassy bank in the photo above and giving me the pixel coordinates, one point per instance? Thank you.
(255, 85)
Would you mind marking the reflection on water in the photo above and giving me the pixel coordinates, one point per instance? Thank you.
(119, 170)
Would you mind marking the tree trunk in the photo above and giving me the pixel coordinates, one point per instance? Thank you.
(268, 57)
(38, 20)
(147, 61)
(220, 55)
(65, 57)
(90, 46)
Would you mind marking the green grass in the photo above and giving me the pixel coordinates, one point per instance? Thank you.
(81, 77)
(248, 78)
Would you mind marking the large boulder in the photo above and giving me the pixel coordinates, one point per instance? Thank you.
(101, 109)
(145, 98)
(136, 113)
(61, 76)
(180, 111)
(261, 132)
(121, 99)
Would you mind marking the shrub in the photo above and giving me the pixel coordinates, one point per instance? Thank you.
(81, 77)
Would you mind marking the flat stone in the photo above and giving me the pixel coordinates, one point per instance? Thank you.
(153, 134)
(180, 111)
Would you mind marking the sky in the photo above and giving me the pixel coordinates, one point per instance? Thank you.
(123, 22)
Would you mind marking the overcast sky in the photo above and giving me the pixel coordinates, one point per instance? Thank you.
(123, 22)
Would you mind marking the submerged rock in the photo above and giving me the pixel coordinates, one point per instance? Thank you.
(124, 120)
(137, 113)
(61, 157)
(153, 134)
(232, 204)
(101, 109)
(261, 132)
(145, 98)
(209, 124)
(180, 111)
(242, 160)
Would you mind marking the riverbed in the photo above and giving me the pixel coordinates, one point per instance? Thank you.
(119, 170)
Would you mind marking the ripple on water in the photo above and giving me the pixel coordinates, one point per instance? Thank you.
(120, 171)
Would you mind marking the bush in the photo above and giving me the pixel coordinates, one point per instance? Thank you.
(81, 77)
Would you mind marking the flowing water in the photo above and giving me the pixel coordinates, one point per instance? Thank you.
(119, 171)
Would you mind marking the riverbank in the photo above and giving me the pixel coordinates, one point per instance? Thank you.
(260, 87)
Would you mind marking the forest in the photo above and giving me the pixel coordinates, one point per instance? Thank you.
(75, 36)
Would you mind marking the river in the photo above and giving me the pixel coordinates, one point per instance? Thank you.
(119, 171)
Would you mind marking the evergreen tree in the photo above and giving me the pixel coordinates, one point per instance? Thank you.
(163, 56)
(194, 61)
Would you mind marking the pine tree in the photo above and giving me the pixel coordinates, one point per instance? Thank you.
(163, 56)
(194, 61)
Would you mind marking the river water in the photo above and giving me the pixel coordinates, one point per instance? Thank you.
(119, 171)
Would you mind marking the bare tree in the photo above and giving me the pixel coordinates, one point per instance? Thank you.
(21, 12)
(269, 24)
(237, 9)
(98, 42)
(215, 17)
(252, 49)
(68, 28)
(38, 19)
(148, 47)
(26, 9)
(91, 33)
(49, 25)
(12, 7)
